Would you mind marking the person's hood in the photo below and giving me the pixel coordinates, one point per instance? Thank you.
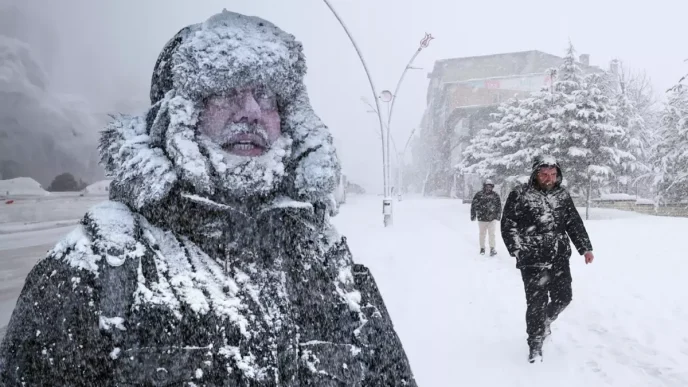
(157, 154)
(545, 161)
(488, 182)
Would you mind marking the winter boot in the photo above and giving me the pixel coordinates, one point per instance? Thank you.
(535, 351)
(482, 251)
(493, 252)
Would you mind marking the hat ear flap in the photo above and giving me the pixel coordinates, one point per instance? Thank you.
(162, 80)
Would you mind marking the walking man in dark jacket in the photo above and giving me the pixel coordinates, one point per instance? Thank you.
(539, 218)
(487, 208)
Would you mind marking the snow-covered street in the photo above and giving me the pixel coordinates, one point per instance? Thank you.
(461, 316)
(29, 227)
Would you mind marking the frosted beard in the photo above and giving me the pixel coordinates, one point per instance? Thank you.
(247, 176)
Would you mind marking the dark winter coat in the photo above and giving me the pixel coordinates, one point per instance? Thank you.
(486, 207)
(113, 305)
(536, 225)
(182, 279)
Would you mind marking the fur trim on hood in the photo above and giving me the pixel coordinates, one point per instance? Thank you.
(152, 155)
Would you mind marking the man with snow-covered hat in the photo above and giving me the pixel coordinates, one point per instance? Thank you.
(538, 221)
(214, 262)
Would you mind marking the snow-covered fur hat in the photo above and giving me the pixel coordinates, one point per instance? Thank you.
(151, 155)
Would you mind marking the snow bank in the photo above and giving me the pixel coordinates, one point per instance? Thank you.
(21, 186)
(98, 188)
(617, 197)
(622, 197)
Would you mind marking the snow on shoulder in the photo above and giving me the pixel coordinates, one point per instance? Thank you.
(107, 231)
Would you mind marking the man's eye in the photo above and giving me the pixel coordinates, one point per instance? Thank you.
(267, 100)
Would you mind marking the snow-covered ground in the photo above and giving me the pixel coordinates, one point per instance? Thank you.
(21, 186)
(461, 316)
(98, 188)
(29, 227)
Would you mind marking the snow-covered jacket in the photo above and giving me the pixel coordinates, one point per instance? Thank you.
(536, 225)
(486, 206)
(179, 281)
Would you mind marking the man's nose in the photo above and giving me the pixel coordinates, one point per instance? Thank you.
(249, 109)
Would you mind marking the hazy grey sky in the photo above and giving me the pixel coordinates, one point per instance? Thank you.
(107, 48)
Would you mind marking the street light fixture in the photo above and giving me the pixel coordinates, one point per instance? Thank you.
(386, 211)
(387, 97)
(424, 43)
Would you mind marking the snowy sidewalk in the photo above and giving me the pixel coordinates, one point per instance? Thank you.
(461, 316)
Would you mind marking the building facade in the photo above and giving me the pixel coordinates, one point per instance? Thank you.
(462, 94)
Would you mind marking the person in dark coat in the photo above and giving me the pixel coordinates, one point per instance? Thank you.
(487, 208)
(539, 218)
(214, 263)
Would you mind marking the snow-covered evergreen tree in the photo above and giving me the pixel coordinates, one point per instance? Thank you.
(632, 103)
(501, 140)
(521, 129)
(570, 75)
(636, 140)
(672, 150)
(591, 142)
(572, 120)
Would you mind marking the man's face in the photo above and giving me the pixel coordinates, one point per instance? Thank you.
(488, 188)
(243, 122)
(547, 177)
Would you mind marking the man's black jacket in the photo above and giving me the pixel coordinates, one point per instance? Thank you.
(486, 206)
(536, 225)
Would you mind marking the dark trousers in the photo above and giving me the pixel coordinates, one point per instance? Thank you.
(548, 292)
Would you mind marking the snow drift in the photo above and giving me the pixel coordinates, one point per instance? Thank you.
(98, 188)
(21, 186)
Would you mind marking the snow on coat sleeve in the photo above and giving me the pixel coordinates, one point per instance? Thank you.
(509, 224)
(575, 228)
(474, 205)
(386, 360)
(498, 205)
(52, 322)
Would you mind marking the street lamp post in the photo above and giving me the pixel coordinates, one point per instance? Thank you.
(424, 43)
(386, 204)
(388, 97)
